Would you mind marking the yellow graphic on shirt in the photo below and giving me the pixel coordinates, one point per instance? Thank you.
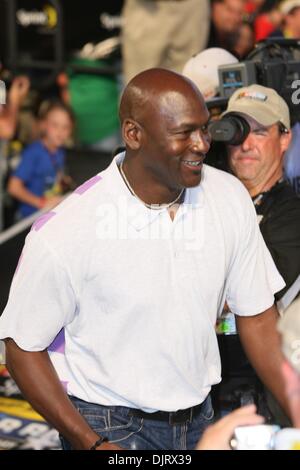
(54, 191)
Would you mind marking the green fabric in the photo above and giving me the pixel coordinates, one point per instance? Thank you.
(94, 99)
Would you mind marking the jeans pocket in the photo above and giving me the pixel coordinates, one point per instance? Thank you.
(207, 411)
(122, 427)
(113, 422)
(118, 421)
(95, 418)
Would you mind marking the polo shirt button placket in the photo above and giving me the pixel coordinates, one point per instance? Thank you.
(174, 246)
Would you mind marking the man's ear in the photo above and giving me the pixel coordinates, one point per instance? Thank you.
(285, 140)
(132, 133)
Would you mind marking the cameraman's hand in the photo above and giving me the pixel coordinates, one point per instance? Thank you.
(18, 90)
(217, 436)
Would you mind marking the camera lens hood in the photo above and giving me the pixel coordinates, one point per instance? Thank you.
(232, 129)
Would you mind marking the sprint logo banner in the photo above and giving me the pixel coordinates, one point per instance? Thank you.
(46, 17)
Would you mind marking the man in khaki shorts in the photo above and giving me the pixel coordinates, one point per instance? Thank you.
(162, 33)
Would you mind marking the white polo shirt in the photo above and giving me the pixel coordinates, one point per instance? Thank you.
(137, 295)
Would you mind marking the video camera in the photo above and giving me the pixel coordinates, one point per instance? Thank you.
(274, 63)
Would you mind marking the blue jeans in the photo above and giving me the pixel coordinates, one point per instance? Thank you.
(136, 433)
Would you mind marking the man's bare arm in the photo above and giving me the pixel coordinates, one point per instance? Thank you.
(38, 381)
(261, 342)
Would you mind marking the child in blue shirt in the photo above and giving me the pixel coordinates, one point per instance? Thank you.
(36, 181)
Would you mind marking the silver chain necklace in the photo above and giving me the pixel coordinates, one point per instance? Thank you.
(149, 206)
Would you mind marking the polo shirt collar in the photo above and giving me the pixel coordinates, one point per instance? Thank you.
(141, 215)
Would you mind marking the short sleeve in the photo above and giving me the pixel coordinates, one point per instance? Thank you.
(61, 159)
(41, 299)
(27, 165)
(253, 278)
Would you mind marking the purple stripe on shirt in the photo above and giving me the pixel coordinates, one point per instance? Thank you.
(64, 384)
(58, 344)
(87, 185)
(41, 221)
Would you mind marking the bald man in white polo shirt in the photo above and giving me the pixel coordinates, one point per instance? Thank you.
(133, 270)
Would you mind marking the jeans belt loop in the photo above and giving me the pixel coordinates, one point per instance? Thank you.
(181, 416)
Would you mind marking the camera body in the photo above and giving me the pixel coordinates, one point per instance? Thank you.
(256, 437)
(234, 76)
(274, 63)
(265, 437)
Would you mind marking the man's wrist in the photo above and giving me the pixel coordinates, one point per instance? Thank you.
(98, 442)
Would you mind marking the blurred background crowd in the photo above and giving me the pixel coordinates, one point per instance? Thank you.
(80, 56)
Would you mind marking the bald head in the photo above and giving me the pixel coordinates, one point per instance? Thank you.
(164, 127)
(152, 88)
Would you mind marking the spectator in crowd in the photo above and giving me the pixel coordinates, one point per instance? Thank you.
(226, 20)
(94, 101)
(139, 368)
(252, 6)
(159, 33)
(258, 163)
(39, 181)
(290, 10)
(243, 41)
(267, 20)
(202, 69)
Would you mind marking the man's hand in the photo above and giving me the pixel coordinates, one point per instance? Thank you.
(217, 436)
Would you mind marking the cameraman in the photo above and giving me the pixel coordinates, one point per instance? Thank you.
(258, 163)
